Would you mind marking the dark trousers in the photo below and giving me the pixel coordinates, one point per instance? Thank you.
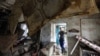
(62, 46)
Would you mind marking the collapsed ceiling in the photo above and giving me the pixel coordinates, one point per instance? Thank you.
(38, 12)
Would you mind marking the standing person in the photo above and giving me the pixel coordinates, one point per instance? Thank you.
(61, 40)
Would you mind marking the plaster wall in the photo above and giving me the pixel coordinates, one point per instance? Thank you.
(46, 33)
(90, 30)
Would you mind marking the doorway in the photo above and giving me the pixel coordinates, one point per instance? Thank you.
(55, 29)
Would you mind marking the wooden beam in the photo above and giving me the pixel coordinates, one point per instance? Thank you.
(74, 46)
(89, 44)
(14, 17)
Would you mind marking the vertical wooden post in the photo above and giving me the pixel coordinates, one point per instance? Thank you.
(80, 27)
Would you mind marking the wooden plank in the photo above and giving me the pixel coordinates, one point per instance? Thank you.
(14, 17)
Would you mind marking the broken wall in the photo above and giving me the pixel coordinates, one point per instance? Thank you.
(45, 33)
(90, 29)
(72, 22)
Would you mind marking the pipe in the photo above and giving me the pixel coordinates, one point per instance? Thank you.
(89, 44)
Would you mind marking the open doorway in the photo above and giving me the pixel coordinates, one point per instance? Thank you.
(55, 29)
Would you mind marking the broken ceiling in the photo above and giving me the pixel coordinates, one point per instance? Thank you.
(36, 12)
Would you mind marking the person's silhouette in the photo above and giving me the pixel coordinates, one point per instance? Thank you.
(61, 40)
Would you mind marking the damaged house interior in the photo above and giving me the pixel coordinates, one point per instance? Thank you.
(49, 27)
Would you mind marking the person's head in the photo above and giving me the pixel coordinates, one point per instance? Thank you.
(61, 29)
